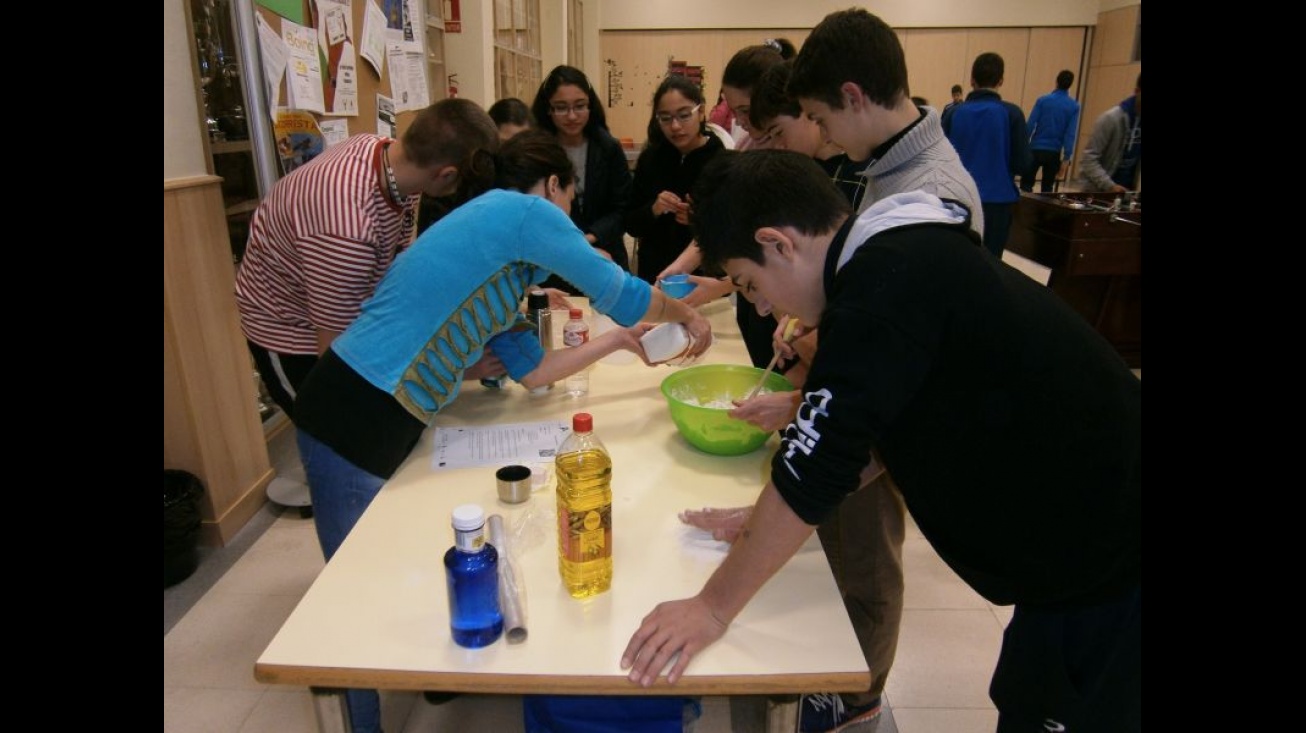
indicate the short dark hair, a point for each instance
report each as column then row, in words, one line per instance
column 691, row 91
column 738, row 193
column 567, row 76
column 850, row 45
column 449, row 132
column 1065, row 78
column 770, row 98
column 455, row 132
column 988, row 69
column 746, row 67
column 956, row 89
column 510, row 111
column 529, row 157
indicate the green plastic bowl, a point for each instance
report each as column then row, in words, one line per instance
column 709, row 428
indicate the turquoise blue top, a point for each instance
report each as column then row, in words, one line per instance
column 456, row 290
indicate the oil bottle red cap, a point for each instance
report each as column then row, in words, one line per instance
column 582, row 422
column 576, row 314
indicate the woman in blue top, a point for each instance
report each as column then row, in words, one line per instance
column 446, row 311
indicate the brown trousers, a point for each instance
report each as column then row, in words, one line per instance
column 863, row 541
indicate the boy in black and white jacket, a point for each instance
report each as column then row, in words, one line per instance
column 1012, row 429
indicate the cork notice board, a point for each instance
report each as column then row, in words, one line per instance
column 369, row 82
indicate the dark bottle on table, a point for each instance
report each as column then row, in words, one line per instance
column 472, row 575
column 539, row 315
column 537, row 310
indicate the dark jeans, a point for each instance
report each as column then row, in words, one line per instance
column 1049, row 161
column 282, row 374
column 997, row 226
column 1079, row 668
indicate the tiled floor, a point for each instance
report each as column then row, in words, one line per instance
column 218, row 621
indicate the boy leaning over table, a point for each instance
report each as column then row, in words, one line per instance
column 1012, row 429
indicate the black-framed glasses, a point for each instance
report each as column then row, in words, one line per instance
column 561, row 110
column 683, row 116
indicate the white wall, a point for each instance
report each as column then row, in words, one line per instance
column 470, row 54
column 183, row 148
column 593, row 64
column 553, row 35
column 641, row 14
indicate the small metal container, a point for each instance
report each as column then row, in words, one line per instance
column 514, row 484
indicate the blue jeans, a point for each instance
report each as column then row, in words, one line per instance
column 340, row 492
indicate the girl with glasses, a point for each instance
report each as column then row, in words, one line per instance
column 743, row 74
column 678, row 147
column 567, row 107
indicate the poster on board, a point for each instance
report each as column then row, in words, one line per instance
column 298, row 138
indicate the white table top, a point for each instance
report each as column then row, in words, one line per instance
column 377, row 615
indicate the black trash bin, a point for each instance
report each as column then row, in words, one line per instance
column 181, row 524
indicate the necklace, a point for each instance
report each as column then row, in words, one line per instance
column 390, row 181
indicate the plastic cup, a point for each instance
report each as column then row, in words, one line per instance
column 676, row 286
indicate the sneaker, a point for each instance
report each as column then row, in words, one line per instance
column 826, row 713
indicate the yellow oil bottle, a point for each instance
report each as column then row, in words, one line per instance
column 584, row 492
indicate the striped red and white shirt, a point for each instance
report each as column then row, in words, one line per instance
column 318, row 245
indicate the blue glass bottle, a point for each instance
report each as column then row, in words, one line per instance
column 472, row 575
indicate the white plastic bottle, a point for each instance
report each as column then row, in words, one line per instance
column 574, row 333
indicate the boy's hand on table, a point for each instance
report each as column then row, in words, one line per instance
column 725, row 524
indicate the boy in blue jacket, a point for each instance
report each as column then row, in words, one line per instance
column 1052, row 127
column 991, row 137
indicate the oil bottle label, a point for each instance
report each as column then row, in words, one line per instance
column 586, row 535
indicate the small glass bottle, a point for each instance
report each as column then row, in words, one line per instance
column 574, row 333
column 584, row 493
column 471, row 569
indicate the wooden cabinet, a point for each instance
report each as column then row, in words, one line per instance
column 210, row 426
column 1096, row 257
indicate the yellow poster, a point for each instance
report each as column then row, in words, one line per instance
column 298, row 138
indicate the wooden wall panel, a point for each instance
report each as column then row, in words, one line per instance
column 210, row 425
column 1012, row 44
column 1111, row 74
column 1050, row 51
column 636, row 61
column 1114, row 42
column 936, row 59
column 1109, row 86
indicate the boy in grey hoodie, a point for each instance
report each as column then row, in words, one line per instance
column 1113, row 158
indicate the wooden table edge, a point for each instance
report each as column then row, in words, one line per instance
column 529, row 684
